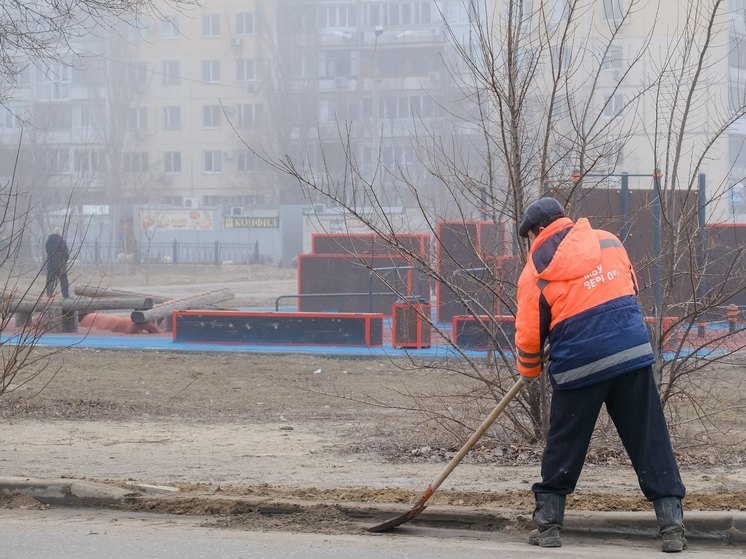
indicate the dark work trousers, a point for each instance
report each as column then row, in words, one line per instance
column 634, row 406
column 54, row 274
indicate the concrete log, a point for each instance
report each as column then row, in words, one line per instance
column 105, row 292
column 196, row 301
column 82, row 304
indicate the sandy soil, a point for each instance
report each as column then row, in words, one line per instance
column 273, row 425
column 300, row 427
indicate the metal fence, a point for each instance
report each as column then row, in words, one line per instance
column 175, row 252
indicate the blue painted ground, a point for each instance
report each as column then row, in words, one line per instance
column 160, row 343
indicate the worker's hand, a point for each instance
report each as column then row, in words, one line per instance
column 528, row 380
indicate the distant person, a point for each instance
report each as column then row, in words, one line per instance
column 57, row 257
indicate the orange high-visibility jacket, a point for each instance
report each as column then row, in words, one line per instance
column 578, row 291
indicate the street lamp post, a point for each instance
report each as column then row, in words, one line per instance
column 377, row 131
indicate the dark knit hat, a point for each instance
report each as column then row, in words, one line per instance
column 540, row 214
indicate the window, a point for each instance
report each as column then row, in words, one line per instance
column 405, row 107
column 246, row 162
column 9, row 118
column 367, row 111
column 89, row 71
column 387, row 156
column 246, row 70
column 422, row 12
column 387, row 107
column 137, row 118
column 172, row 118
column 54, row 116
column 213, row 162
column 250, row 115
column 737, row 150
column 85, row 161
column 212, row 201
column 85, row 117
column 303, row 65
column 136, row 162
column 170, row 27
column 422, row 106
column 737, row 9
column 613, row 11
column 373, row 15
column 22, row 78
column 337, row 63
column 522, row 12
column 367, row 156
column 246, row 23
column 613, row 58
column 392, row 14
column 136, row 74
column 566, row 61
column 457, row 13
column 613, row 105
column 212, row 116
column 211, row 25
column 171, row 70
column 557, row 11
column 737, row 52
column 59, row 161
column 211, row 70
column 561, row 108
column 137, row 28
column 337, row 15
column 53, row 81
column 172, row 162
column 736, row 93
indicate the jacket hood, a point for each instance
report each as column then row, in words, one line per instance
column 576, row 255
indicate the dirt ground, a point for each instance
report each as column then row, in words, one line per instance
column 317, row 428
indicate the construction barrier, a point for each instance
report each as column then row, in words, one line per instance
column 278, row 328
column 410, row 324
column 483, row 333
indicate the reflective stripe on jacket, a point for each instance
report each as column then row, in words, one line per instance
column 578, row 291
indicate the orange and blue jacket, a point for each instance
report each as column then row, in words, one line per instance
column 578, row 291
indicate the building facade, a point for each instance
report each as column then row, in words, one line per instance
column 150, row 133
column 639, row 92
column 368, row 89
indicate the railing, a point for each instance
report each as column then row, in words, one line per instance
column 175, row 252
column 340, row 297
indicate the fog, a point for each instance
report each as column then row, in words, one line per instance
column 157, row 135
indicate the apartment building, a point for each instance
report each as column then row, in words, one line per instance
column 51, row 128
column 629, row 87
column 367, row 85
column 161, row 115
column 146, row 121
column 201, row 81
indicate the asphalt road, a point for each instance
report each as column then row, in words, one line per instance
column 88, row 533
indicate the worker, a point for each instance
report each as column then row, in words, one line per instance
column 578, row 294
column 57, row 257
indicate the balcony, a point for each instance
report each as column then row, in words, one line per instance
column 340, row 84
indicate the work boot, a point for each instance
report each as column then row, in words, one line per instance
column 548, row 515
column 670, row 515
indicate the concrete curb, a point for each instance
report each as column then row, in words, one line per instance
column 728, row 526
column 67, row 492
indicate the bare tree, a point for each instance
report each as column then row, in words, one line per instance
column 43, row 31
column 549, row 96
column 44, row 35
column 20, row 333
